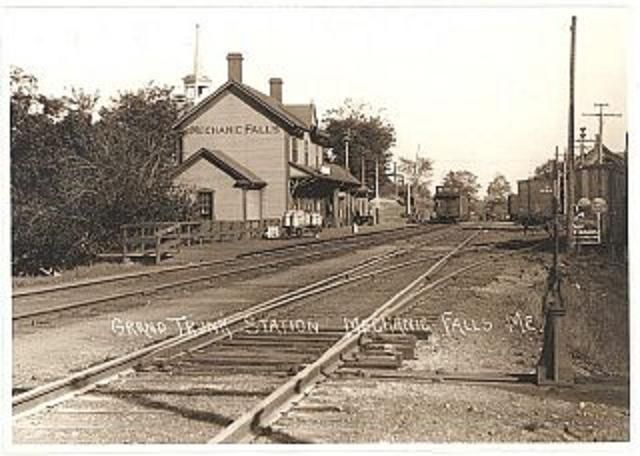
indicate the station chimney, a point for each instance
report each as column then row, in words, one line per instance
column 234, row 61
column 275, row 88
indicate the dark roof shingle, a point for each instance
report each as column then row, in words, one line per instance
column 243, row 176
column 336, row 173
column 264, row 101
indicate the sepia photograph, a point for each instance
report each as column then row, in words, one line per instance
column 395, row 226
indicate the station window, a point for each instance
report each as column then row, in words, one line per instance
column 177, row 154
column 205, row 205
column 306, row 152
column 294, row 150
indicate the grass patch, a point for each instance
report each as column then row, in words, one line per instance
column 597, row 294
column 89, row 271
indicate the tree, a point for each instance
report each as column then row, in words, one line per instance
column 75, row 180
column 465, row 181
column 370, row 136
column 499, row 189
column 41, row 165
column 418, row 172
column 546, row 169
column 497, row 194
column 137, row 146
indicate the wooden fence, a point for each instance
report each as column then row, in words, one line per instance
column 160, row 239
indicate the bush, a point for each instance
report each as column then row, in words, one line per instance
column 75, row 179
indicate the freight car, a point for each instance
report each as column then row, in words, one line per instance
column 450, row 205
column 512, row 206
column 533, row 205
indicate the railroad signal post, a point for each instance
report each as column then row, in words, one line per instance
column 554, row 366
column 582, row 142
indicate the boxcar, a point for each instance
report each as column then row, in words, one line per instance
column 534, row 200
column 513, row 206
column 450, row 204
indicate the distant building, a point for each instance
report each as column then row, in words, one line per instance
column 247, row 155
column 605, row 179
column 591, row 157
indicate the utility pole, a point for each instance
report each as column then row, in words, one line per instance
column 570, row 191
column 377, row 178
column 626, row 196
column 556, row 196
column 377, row 207
column 347, row 139
column 601, row 115
column 416, row 171
column 563, row 184
column 395, row 178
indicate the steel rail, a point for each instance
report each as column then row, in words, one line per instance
column 265, row 412
column 176, row 284
column 258, row 419
column 32, row 291
column 83, row 380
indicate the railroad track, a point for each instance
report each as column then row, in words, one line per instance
column 34, row 303
column 210, row 379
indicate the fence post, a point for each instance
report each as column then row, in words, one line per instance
column 124, row 243
column 157, row 236
column 143, row 232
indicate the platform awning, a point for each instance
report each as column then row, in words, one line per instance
column 329, row 173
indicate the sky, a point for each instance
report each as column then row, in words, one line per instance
column 481, row 89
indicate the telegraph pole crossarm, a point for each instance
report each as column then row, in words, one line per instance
column 601, row 115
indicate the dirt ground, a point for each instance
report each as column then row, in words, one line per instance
column 72, row 343
column 489, row 322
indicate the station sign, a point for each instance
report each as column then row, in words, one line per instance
column 599, row 205
column 584, row 203
column 238, row 129
column 587, row 223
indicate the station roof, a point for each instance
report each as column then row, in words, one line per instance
column 305, row 112
column 336, row 173
column 608, row 156
column 262, row 102
column 363, row 190
column 243, row 176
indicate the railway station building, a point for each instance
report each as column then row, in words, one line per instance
column 246, row 155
